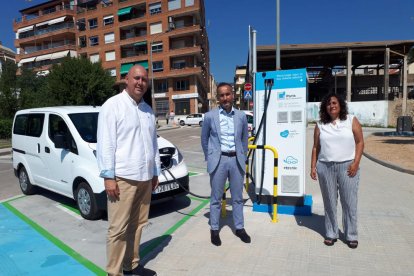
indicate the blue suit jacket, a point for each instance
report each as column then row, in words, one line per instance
column 211, row 136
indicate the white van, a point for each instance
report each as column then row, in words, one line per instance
column 55, row 148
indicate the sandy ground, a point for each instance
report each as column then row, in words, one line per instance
column 398, row 151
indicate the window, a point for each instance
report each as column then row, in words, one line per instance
column 109, row 38
column 108, row 20
column 189, row 3
column 155, row 8
column 178, row 64
column 156, row 47
column 94, row 58
column 156, row 28
column 109, row 56
column 112, row 72
column 82, row 41
column 93, row 23
column 157, row 66
column 57, row 126
column 174, row 4
column 81, row 24
column 29, row 124
column 182, row 85
column 162, row 106
column 179, row 23
column 161, row 86
column 93, row 41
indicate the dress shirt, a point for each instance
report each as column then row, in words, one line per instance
column 227, row 130
column 127, row 139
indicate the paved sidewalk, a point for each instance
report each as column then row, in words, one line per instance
column 294, row 245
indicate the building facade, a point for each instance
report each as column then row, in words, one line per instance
column 168, row 37
column 239, row 81
column 6, row 54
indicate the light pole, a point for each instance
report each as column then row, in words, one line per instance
column 154, row 108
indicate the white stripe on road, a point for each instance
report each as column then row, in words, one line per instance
column 66, row 210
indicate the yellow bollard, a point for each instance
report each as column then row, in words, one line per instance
column 275, row 174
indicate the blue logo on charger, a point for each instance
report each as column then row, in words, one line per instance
column 291, row 160
column 284, row 133
column 281, row 95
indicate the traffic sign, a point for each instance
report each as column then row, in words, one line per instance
column 247, row 86
column 247, row 95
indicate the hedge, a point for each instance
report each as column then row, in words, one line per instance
column 6, row 128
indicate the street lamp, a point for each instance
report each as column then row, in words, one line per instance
column 154, row 108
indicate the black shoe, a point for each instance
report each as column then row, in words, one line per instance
column 241, row 233
column 140, row 271
column 215, row 237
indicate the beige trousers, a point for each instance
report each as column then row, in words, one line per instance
column 127, row 216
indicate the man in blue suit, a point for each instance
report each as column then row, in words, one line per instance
column 224, row 140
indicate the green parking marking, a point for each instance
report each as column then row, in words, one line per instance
column 190, row 174
column 82, row 260
column 167, row 233
column 15, row 198
column 70, row 208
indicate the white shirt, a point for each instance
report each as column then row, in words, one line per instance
column 227, row 130
column 337, row 141
column 127, row 139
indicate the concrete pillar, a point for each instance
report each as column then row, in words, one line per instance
column 349, row 75
column 404, row 85
column 386, row 73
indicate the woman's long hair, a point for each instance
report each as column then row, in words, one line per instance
column 323, row 114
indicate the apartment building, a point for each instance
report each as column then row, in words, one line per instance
column 6, row 54
column 168, row 37
column 239, row 81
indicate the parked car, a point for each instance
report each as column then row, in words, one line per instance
column 55, row 148
column 192, row 119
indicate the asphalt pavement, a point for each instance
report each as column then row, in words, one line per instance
column 292, row 246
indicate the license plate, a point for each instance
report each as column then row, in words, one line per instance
column 166, row 187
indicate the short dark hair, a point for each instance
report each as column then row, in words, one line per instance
column 221, row 84
column 323, row 114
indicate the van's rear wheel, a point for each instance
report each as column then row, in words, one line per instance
column 86, row 202
column 24, row 181
column 201, row 123
column 182, row 123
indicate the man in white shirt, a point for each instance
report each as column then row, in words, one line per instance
column 129, row 162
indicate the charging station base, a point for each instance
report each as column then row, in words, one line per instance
column 302, row 210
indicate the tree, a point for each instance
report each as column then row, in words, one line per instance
column 33, row 90
column 8, row 90
column 77, row 81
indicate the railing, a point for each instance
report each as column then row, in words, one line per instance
column 131, row 35
column 44, row 12
column 127, row 54
column 32, row 49
column 53, row 28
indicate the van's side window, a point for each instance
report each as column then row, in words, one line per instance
column 29, row 124
column 58, row 126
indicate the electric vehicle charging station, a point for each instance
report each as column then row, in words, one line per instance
column 280, row 99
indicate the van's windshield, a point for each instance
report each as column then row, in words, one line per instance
column 86, row 124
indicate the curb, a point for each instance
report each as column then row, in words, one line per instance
column 167, row 128
column 5, row 151
column 388, row 165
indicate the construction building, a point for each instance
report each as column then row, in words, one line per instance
column 168, row 37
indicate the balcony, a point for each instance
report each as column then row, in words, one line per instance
column 40, row 50
column 24, row 36
column 40, row 16
column 185, row 71
column 134, row 50
column 188, row 50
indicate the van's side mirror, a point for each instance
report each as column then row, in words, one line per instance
column 60, row 141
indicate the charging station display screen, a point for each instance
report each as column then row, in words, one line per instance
column 281, row 97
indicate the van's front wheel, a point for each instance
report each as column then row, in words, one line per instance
column 86, row 201
column 24, row 182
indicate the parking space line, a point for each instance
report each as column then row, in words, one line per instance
column 58, row 243
column 69, row 210
column 145, row 251
column 10, row 199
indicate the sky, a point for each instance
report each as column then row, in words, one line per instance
column 301, row 21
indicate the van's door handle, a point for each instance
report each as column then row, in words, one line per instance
column 38, row 148
column 47, row 150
